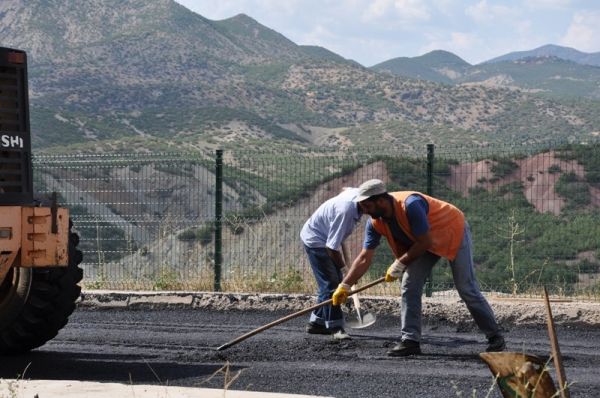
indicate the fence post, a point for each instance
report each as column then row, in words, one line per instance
column 430, row 155
column 218, row 259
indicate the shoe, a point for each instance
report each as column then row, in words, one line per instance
column 315, row 328
column 405, row 348
column 496, row 343
column 340, row 334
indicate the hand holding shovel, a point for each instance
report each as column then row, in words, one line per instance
column 357, row 319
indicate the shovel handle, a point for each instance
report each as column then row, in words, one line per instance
column 556, row 355
column 355, row 298
column 345, row 254
column 294, row 315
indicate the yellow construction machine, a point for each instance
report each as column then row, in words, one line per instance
column 39, row 260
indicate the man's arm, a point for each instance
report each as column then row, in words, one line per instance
column 422, row 244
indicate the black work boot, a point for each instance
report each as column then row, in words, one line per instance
column 315, row 328
column 496, row 343
column 405, row 348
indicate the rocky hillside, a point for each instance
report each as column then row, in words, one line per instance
column 114, row 70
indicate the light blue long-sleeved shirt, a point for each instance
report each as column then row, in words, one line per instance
column 332, row 222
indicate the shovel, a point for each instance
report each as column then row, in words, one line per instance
column 361, row 319
column 357, row 319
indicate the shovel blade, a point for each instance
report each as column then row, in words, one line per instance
column 366, row 320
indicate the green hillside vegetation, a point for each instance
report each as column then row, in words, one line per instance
column 437, row 66
column 440, row 58
column 413, row 136
column 317, row 52
column 552, row 76
column 587, row 155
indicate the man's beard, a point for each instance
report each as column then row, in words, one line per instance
column 378, row 213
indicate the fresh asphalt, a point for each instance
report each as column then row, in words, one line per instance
column 177, row 347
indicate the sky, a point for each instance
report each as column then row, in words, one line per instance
column 373, row 31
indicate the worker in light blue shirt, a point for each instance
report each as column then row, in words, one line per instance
column 323, row 235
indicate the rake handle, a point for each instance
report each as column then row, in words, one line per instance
column 294, row 315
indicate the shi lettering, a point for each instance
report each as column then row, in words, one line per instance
column 11, row 141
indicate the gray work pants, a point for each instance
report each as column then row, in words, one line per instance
column 463, row 274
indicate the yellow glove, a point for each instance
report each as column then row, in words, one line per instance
column 395, row 271
column 341, row 294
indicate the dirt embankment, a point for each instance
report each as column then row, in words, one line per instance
column 538, row 174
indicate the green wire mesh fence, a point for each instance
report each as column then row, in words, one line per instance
column 149, row 220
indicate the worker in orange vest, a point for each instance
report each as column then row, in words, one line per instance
column 420, row 230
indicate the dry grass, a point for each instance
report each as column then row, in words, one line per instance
column 229, row 376
column 13, row 387
column 284, row 280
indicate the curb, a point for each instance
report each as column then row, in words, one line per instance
column 448, row 309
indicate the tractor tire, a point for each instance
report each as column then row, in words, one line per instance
column 35, row 303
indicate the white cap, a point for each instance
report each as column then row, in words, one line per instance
column 370, row 188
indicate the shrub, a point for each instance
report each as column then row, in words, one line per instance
column 575, row 191
column 554, row 169
column 203, row 234
column 503, row 167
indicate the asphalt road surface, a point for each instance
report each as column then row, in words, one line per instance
column 177, row 347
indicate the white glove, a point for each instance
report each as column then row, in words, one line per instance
column 395, row 271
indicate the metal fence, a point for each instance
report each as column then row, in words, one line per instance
column 230, row 220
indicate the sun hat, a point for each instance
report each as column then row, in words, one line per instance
column 369, row 188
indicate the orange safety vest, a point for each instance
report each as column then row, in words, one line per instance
column 446, row 225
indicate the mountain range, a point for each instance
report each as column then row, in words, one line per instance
column 559, row 72
column 123, row 74
column 551, row 50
